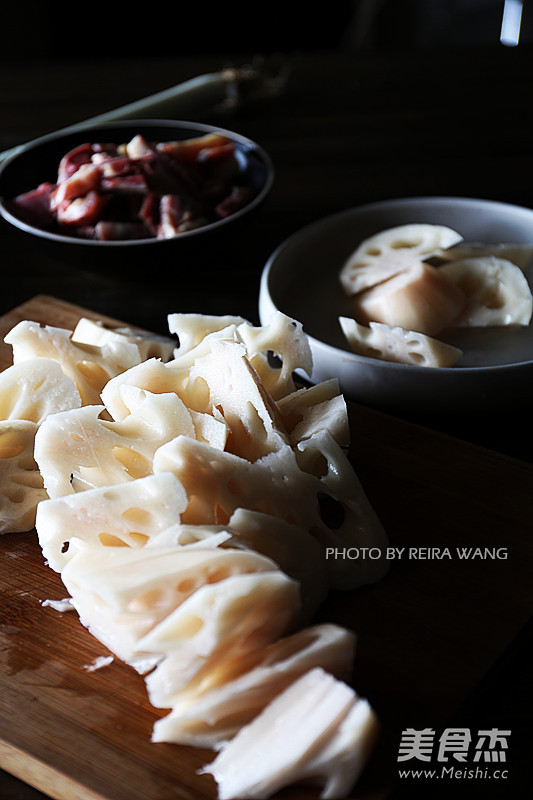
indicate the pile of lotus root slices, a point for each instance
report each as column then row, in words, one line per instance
column 177, row 485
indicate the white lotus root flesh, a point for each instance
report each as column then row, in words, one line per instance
column 396, row 344
column 398, row 298
column 21, row 484
column 389, row 252
column 181, row 498
column 496, row 291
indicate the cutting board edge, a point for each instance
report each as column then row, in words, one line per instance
column 42, row 776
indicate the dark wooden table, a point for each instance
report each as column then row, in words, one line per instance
column 347, row 129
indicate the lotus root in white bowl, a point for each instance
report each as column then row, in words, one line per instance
column 302, row 279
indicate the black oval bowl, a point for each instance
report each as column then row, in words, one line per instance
column 38, row 161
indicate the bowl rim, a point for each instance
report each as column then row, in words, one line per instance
column 200, row 127
column 266, row 298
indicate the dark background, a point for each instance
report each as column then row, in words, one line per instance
column 70, row 30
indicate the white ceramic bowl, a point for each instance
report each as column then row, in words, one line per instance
column 301, row 279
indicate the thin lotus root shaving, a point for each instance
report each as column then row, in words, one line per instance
column 242, row 615
column 217, row 483
column 34, row 389
column 121, row 515
column 283, row 338
column 152, row 376
column 318, row 730
column 389, row 252
column 79, row 450
column 234, row 390
column 228, row 694
column 149, row 345
column 396, row 344
column 21, row 484
column 89, row 366
column 191, row 329
column 295, row 552
column 122, row 596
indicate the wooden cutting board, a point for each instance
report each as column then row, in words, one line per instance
column 427, row 633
